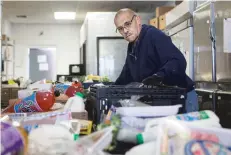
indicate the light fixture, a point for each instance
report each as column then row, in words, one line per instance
column 64, row 15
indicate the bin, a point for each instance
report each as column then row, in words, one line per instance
column 223, row 110
column 101, row 98
column 206, row 99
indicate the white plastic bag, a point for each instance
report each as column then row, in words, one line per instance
column 95, row 142
column 179, row 138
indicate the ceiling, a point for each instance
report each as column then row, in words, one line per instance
column 43, row 11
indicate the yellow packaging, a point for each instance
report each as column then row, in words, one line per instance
column 86, row 127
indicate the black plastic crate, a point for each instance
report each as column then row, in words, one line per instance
column 223, row 110
column 206, row 99
column 101, row 98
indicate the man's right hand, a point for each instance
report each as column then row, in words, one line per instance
column 153, row 80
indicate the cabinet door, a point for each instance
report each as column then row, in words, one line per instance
column 223, row 41
column 5, row 96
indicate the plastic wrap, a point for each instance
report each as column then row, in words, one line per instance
column 95, row 142
column 51, row 139
column 31, row 121
column 176, row 138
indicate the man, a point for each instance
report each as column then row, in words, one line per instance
column 152, row 58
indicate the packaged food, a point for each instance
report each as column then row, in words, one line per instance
column 39, row 101
column 68, row 90
column 14, row 139
column 204, row 118
column 75, row 103
column 86, row 127
column 177, row 137
column 51, row 139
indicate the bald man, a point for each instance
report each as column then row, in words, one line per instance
column 152, row 58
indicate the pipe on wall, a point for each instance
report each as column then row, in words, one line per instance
column 213, row 39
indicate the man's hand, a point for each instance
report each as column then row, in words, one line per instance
column 153, row 80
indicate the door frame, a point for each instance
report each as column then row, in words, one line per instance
column 97, row 44
column 41, row 47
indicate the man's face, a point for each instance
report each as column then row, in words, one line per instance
column 128, row 26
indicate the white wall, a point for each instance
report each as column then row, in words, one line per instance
column 6, row 27
column 64, row 37
column 102, row 24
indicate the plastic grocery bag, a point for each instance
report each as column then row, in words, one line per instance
column 178, row 138
column 51, row 140
column 32, row 121
column 132, row 102
column 95, row 142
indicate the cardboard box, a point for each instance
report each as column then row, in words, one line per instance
column 162, row 22
column 162, row 10
column 154, row 22
column 80, row 115
column 5, row 37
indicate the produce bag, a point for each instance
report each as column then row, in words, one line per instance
column 95, row 142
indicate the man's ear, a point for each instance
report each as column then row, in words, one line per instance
column 138, row 19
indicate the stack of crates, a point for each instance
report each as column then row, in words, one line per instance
column 101, row 98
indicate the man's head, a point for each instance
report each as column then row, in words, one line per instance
column 128, row 24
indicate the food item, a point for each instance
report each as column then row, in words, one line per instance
column 51, row 139
column 86, row 127
column 204, row 147
column 77, row 84
column 70, row 91
column 75, row 103
column 115, row 122
column 201, row 118
column 14, row 140
column 177, row 137
column 37, row 102
column 105, row 79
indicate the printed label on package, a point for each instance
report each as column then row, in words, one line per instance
column 29, row 104
column 193, row 116
column 61, row 88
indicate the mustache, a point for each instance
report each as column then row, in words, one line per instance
column 127, row 35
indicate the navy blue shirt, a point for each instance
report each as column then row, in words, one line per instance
column 154, row 53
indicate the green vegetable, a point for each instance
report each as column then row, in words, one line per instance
column 116, row 123
column 104, row 79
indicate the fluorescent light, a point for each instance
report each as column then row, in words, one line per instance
column 65, row 15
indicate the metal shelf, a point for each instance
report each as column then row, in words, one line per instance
column 3, row 44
